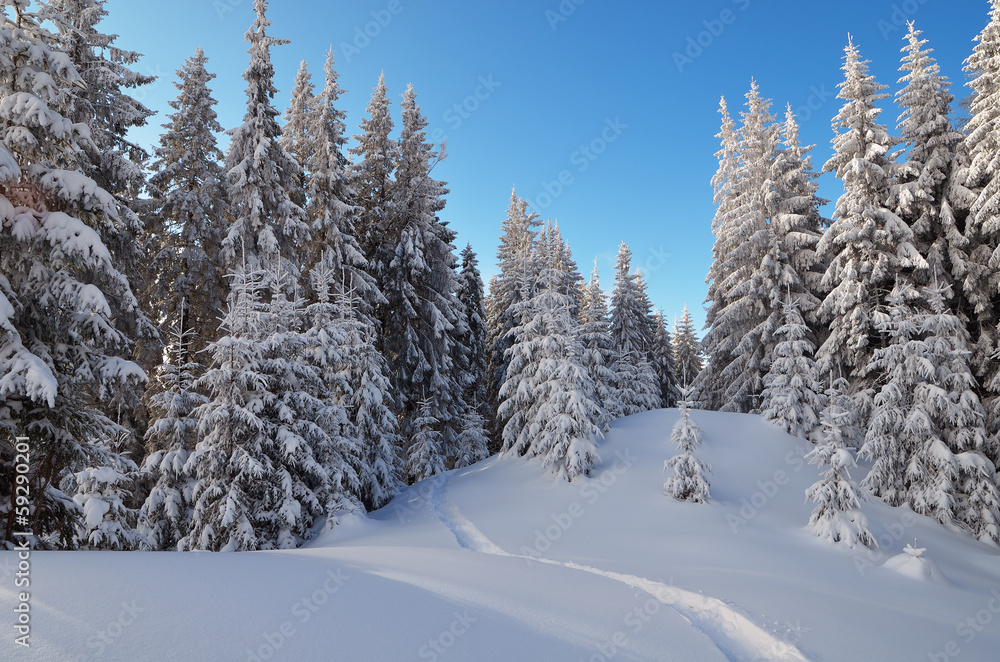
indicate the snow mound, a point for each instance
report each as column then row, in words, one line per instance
column 913, row 564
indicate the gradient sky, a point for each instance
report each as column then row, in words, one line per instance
column 602, row 113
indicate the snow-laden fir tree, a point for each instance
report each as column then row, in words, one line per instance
column 426, row 454
column 422, row 323
column 513, row 284
column 552, row 247
column 868, row 244
column 707, row 388
column 332, row 210
column 266, row 222
column 550, row 401
column 165, row 515
column 689, row 481
column 795, row 221
column 65, row 307
column 945, row 471
column 470, row 295
column 102, row 494
column 187, row 229
column 837, row 516
column 371, row 173
column 598, row 353
column 297, row 133
column 687, row 349
column 792, row 397
column 369, row 401
column 664, row 362
column 632, row 339
column 981, row 280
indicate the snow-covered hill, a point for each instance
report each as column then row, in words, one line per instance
column 500, row 562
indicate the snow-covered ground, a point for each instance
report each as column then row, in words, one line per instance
column 500, row 562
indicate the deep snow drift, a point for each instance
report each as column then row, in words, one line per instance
column 500, row 562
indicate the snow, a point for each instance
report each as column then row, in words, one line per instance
column 498, row 561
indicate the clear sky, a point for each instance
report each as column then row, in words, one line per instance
column 602, row 113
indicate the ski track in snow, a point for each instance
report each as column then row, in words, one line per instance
column 739, row 638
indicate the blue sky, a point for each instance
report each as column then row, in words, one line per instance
column 603, row 114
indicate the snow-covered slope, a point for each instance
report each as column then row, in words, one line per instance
column 499, row 562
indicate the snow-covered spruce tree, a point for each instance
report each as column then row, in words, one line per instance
column 426, row 453
column 837, row 516
column 165, row 516
column 792, row 397
column 371, row 174
column 331, row 206
column 296, row 134
column 470, row 295
column 266, row 222
column 422, row 322
column 632, row 338
column 664, row 362
column 888, row 444
column 368, row 403
column 513, row 284
column 867, row 245
column 65, row 308
column 689, row 481
column 102, row 495
column 706, row 386
column 550, row 402
column 552, row 246
column 186, row 231
column 598, row 353
column 795, row 221
column 938, row 485
column 687, row 350
column 981, row 278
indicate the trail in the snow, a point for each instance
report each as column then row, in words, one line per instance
column 739, row 638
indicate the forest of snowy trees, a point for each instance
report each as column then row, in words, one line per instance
column 874, row 333
column 357, row 351
column 222, row 350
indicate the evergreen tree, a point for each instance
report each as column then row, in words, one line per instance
column 108, row 522
column 550, row 402
column 191, row 215
column 664, row 362
column 598, row 353
column 427, row 452
column 372, row 172
column 632, row 339
column 266, row 222
column 706, row 384
column 297, row 137
column 867, row 245
column 687, row 350
column 165, row 515
column 509, row 289
column 837, row 516
column 66, row 310
column 422, row 321
column 470, row 295
column 332, row 210
column 792, row 397
column 981, row 278
column 688, row 481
